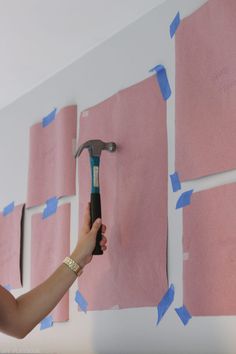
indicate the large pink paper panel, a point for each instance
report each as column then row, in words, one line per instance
column 206, row 91
column 210, row 249
column 51, row 159
column 49, row 246
column 11, row 237
column 132, row 272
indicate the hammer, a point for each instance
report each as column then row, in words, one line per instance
column 95, row 148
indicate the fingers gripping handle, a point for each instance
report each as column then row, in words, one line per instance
column 95, row 212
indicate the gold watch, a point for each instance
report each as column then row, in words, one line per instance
column 75, row 267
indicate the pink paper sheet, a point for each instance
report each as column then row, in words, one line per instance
column 50, row 245
column 132, row 273
column 11, row 233
column 209, row 243
column 51, row 161
column 206, row 91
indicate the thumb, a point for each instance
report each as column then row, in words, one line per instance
column 96, row 226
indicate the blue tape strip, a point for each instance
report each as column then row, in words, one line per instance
column 49, row 118
column 183, row 314
column 165, row 303
column 8, row 287
column 174, row 25
column 81, row 301
column 176, row 185
column 184, row 199
column 51, row 207
column 8, row 209
column 46, row 322
column 162, row 81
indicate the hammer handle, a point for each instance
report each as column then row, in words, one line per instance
column 95, row 212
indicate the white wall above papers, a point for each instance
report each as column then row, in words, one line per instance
column 64, row 30
column 118, row 63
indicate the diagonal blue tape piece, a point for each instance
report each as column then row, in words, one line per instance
column 174, row 25
column 183, row 314
column 8, row 287
column 165, row 303
column 46, row 322
column 162, row 81
column 51, row 207
column 184, row 199
column 8, row 209
column 176, row 185
column 49, row 118
column 81, row 301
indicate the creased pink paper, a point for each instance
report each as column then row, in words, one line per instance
column 209, row 226
column 206, row 91
column 132, row 272
column 51, row 160
column 49, row 246
column 11, row 234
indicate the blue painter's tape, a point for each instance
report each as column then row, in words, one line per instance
column 165, row 303
column 176, row 185
column 184, row 199
column 51, row 207
column 174, row 25
column 8, row 209
column 81, row 301
column 46, row 322
column 49, row 118
column 183, row 314
column 162, row 81
column 8, row 287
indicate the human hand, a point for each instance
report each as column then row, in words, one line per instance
column 87, row 240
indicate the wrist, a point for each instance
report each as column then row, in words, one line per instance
column 75, row 255
column 73, row 266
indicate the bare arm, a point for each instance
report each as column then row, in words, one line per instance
column 19, row 316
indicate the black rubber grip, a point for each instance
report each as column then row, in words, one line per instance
column 95, row 212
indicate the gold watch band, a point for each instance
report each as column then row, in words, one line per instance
column 75, row 267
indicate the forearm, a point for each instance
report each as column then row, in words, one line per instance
column 19, row 316
column 35, row 305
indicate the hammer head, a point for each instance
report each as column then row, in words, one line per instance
column 95, row 147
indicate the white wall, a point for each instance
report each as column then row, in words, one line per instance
column 46, row 36
column 118, row 63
